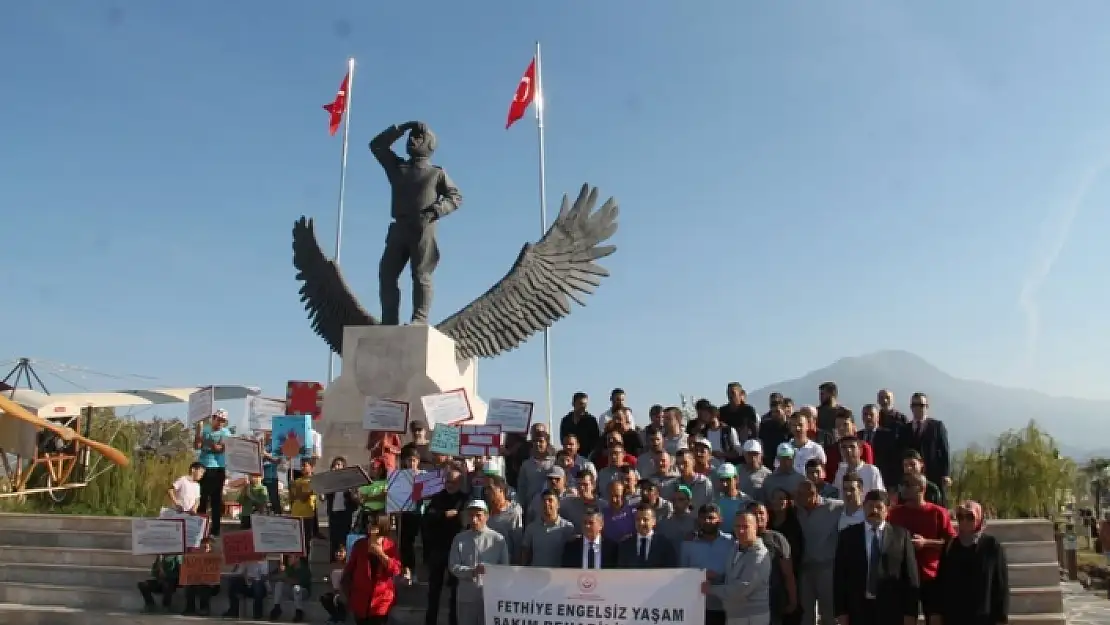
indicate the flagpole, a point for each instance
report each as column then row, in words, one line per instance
column 543, row 225
column 342, row 185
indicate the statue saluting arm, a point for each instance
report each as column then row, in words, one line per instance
column 422, row 193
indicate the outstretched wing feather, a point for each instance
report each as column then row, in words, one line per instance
column 329, row 302
column 559, row 269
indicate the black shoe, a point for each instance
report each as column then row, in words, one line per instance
column 298, row 616
column 275, row 614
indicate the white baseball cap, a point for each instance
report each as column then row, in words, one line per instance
column 752, row 446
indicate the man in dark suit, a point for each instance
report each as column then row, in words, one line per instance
column 645, row 549
column 875, row 571
column 884, row 446
column 590, row 550
column 928, row 437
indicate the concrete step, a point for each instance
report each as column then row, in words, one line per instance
column 63, row 522
column 66, row 539
column 73, row 557
column 1031, row 552
column 1034, row 575
column 87, row 597
column 1021, row 530
column 123, row 579
column 1037, row 600
column 20, row 614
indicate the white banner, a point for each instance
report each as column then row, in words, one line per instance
column 277, row 534
column 201, row 405
column 243, row 455
column 153, row 537
column 516, row 595
column 261, row 411
column 196, row 526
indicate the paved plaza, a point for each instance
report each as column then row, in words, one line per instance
column 1086, row 607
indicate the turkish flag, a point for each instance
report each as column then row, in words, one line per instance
column 338, row 106
column 525, row 94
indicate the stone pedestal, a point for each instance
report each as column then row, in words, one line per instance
column 403, row 363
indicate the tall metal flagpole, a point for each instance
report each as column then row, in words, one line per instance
column 543, row 225
column 342, row 185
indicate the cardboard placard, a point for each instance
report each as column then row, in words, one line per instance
column 304, row 398
column 512, row 415
column 201, row 569
column 338, row 481
column 238, row 547
column 479, row 440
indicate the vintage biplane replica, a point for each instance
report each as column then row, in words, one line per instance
column 45, row 439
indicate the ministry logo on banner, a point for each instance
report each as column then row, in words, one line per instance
column 541, row 596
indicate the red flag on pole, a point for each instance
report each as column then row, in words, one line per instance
column 338, row 106
column 525, row 94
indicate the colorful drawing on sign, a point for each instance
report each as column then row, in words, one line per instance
column 445, row 440
column 398, row 494
column 290, row 436
column 479, row 440
column 201, row 569
column 304, row 398
column 427, row 484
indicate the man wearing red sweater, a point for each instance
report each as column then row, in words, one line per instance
column 930, row 527
column 845, row 426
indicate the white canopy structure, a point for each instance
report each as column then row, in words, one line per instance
column 58, row 405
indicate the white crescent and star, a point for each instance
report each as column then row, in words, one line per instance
column 524, row 90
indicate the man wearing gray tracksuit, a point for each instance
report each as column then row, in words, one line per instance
column 820, row 521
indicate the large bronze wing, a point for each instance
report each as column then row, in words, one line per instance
column 536, row 291
column 330, row 304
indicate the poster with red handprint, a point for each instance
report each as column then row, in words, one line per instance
column 304, row 398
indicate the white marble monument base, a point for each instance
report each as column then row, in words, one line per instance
column 402, row 363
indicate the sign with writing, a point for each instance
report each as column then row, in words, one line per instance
column 277, row 534
column 385, row 415
column 398, row 494
column 445, row 440
column 304, row 398
column 153, row 537
column 513, row 416
column 238, row 547
column 196, row 525
column 201, row 569
column 261, row 411
column 1071, row 542
column 201, row 404
column 479, row 440
column 243, row 455
column 515, row 594
column 338, row 481
column 291, row 436
column 447, row 407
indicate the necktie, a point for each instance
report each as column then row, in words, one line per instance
column 873, row 565
column 643, row 549
column 591, row 557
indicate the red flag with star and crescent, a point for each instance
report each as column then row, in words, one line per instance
column 524, row 96
column 337, row 107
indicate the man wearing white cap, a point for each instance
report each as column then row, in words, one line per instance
column 471, row 551
column 752, row 472
column 784, row 476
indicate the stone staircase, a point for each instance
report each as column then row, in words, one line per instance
column 1036, row 596
column 74, row 570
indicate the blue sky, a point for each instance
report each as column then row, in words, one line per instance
column 799, row 181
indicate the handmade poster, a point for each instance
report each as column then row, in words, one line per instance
column 447, row 407
column 385, row 415
column 514, row 417
column 445, row 440
column 304, row 398
column 581, row 597
column 196, row 525
column 398, row 494
column 291, row 436
column 201, row 569
column 238, row 547
column 154, row 537
column 328, row 482
column 277, row 534
column 201, row 404
column 426, row 484
column 261, row 411
column 479, row 440
column 243, row 455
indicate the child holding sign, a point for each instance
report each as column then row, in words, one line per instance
column 303, row 500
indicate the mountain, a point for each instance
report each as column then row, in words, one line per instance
column 975, row 412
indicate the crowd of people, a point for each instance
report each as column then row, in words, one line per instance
column 797, row 516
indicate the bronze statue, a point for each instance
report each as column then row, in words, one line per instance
column 422, row 194
column 532, row 296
